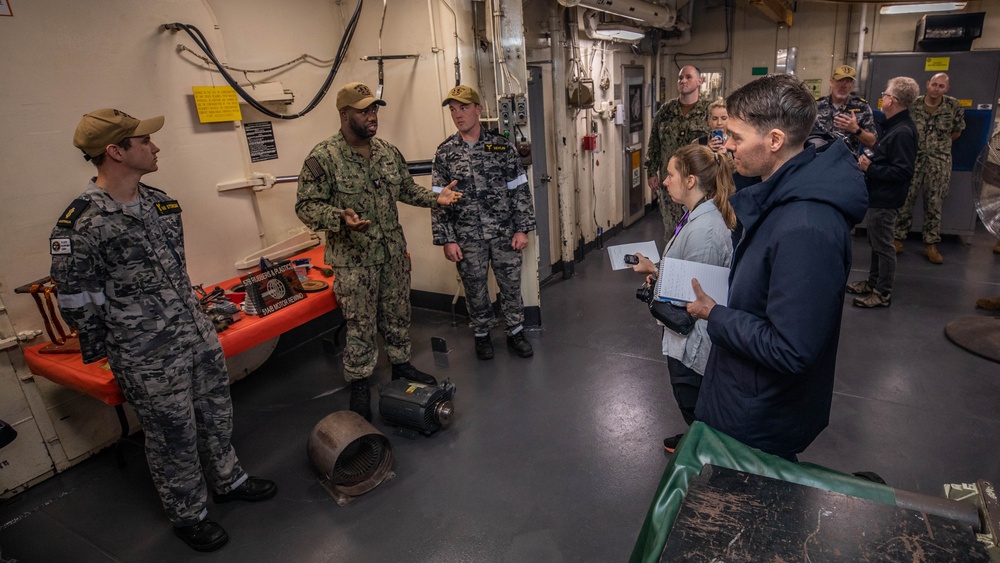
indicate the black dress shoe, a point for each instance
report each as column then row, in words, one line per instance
column 406, row 370
column 252, row 490
column 203, row 536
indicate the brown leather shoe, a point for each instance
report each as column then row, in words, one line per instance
column 996, row 248
column 988, row 303
column 898, row 245
column 932, row 254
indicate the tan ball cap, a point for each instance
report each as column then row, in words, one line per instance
column 844, row 71
column 357, row 96
column 104, row 127
column 462, row 94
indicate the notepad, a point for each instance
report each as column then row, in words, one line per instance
column 617, row 253
column 673, row 281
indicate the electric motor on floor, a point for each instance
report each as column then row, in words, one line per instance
column 352, row 456
column 416, row 406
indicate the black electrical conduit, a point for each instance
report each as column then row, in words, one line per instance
column 345, row 43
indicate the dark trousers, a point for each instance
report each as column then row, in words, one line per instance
column 686, row 383
column 881, row 223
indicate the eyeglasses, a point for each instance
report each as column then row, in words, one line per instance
column 884, row 94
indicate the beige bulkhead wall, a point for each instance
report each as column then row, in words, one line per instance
column 75, row 58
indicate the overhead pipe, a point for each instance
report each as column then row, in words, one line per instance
column 684, row 26
column 647, row 13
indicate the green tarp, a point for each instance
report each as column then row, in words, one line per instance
column 702, row 446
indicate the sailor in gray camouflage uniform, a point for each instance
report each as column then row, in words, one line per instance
column 489, row 225
column 845, row 114
column 118, row 262
column 348, row 187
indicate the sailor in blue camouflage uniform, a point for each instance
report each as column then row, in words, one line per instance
column 118, row 262
column 489, row 225
column 348, row 187
column 845, row 114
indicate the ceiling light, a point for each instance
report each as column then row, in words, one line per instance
column 921, row 8
column 620, row 32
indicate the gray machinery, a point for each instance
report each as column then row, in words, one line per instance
column 351, row 455
column 975, row 81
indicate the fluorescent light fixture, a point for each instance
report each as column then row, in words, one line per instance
column 921, row 8
column 620, row 32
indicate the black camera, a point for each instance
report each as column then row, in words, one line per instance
column 631, row 259
column 673, row 316
column 644, row 293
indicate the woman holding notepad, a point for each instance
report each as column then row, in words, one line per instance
column 701, row 181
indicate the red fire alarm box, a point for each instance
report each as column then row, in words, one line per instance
column 590, row 142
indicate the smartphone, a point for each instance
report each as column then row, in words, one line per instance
column 868, row 153
column 717, row 134
column 631, row 259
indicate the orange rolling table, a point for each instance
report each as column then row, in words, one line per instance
column 96, row 379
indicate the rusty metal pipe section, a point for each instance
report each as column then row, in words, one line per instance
column 352, row 456
column 964, row 512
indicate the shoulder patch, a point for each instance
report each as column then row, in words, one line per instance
column 169, row 207
column 73, row 212
column 313, row 165
column 496, row 147
column 60, row 245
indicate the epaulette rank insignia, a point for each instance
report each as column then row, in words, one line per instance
column 168, row 207
column 73, row 212
column 491, row 147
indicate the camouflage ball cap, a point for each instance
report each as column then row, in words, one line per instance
column 844, row 71
column 357, row 96
column 462, row 94
column 107, row 126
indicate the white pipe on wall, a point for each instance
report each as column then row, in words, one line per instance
column 861, row 39
column 564, row 156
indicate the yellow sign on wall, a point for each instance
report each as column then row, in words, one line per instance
column 815, row 85
column 937, row 64
column 216, row 103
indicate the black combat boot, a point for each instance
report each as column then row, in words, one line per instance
column 484, row 347
column 254, row 489
column 407, row 371
column 203, row 536
column 520, row 345
column 361, row 398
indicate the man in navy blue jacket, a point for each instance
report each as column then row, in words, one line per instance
column 769, row 379
column 888, row 173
